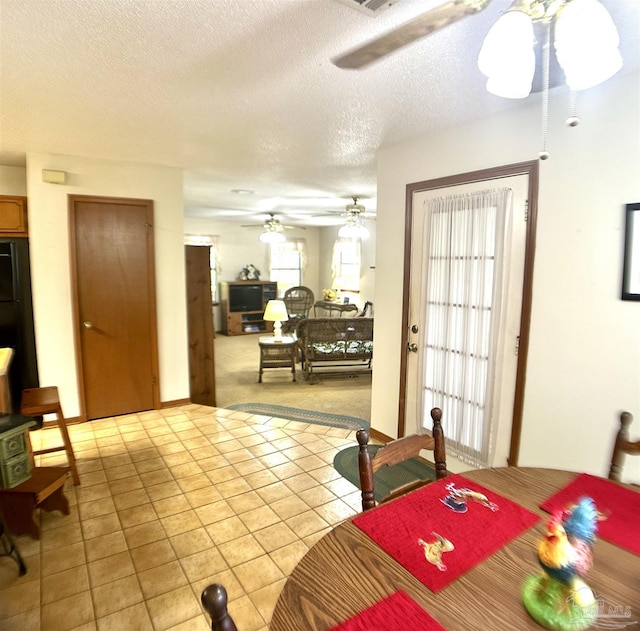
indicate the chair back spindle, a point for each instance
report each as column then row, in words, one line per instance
column 365, row 470
column 622, row 446
column 214, row 600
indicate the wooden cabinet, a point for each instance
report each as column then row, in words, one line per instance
column 13, row 216
column 243, row 304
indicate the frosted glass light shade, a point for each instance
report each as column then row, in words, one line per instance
column 272, row 237
column 507, row 56
column 510, row 86
column 586, row 43
column 353, row 231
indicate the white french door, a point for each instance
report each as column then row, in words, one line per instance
column 467, row 270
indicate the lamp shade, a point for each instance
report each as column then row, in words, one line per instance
column 586, row 43
column 507, row 56
column 276, row 311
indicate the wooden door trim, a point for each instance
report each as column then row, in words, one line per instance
column 151, row 285
column 532, row 170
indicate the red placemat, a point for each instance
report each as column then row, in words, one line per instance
column 397, row 612
column 619, row 506
column 446, row 528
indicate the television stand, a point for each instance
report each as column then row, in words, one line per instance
column 243, row 303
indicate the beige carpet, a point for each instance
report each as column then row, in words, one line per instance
column 237, row 360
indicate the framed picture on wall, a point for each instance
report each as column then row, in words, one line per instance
column 631, row 268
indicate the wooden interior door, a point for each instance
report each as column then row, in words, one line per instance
column 115, row 307
column 202, row 383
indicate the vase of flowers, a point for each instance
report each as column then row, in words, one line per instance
column 250, row 272
column 329, row 295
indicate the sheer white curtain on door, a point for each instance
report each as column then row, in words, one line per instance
column 462, row 293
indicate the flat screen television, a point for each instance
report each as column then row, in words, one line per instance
column 245, row 298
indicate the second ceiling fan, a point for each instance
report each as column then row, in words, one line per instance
column 272, row 229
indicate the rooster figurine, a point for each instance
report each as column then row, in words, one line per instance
column 560, row 599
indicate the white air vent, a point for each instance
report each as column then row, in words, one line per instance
column 370, row 7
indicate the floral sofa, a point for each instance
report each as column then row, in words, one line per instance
column 336, row 345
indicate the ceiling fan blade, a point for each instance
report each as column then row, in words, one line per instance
column 409, row 32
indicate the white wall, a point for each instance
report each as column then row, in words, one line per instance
column 13, row 181
column 584, row 356
column 50, row 266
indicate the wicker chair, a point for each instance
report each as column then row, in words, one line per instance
column 298, row 301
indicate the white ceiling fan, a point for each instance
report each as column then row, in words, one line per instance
column 352, row 210
column 271, row 225
column 272, row 230
column 585, row 42
column 354, row 227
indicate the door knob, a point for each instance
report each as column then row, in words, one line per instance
column 87, row 325
column 412, row 348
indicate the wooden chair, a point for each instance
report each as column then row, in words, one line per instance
column 622, row 447
column 214, row 600
column 398, row 451
column 39, row 401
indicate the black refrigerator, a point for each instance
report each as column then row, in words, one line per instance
column 16, row 315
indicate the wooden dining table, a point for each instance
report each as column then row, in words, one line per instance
column 346, row 572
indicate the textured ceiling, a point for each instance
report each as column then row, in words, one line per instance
column 241, row 94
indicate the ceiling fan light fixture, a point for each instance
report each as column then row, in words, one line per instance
column 353, row 231
column 271, row 236
column 507, row 56
column 586, row 44
column 355, row 208
column 353, row 227
column 509, row 86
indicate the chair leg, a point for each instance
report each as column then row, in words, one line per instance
column 32, row 460
column 68, row 447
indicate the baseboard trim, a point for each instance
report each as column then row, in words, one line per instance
column 77, row 420
column 172, row 404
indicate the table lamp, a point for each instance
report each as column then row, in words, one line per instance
column 276, row 312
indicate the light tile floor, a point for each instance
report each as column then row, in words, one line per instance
column 171, row 501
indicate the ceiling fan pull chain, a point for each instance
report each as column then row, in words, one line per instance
column 546, row 57
column 574, row 120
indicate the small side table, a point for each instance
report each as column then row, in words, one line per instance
column 277, row 354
